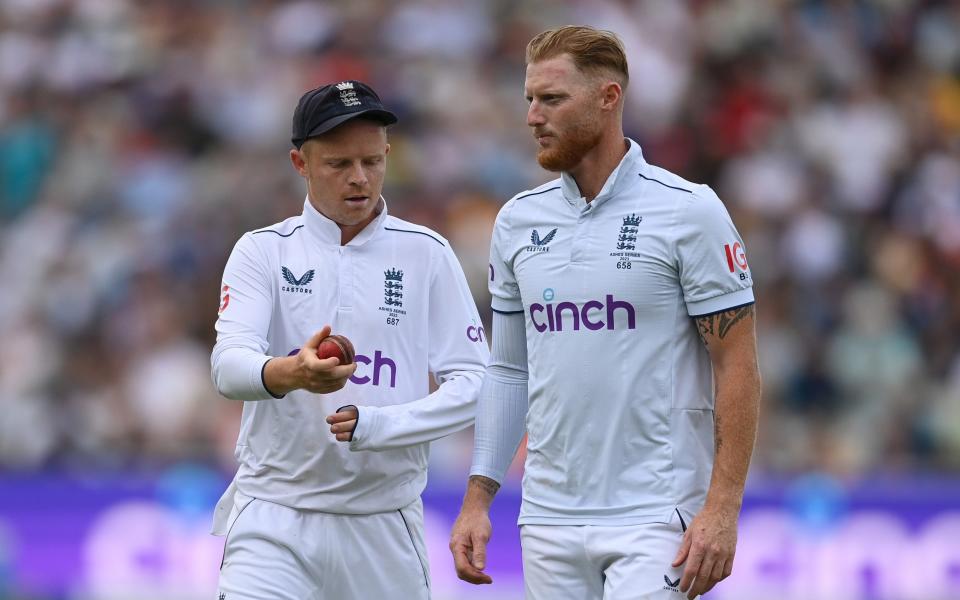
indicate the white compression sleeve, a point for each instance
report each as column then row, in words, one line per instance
column 502, row 406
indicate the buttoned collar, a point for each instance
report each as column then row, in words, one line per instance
column 624, row 174
column 326, row 231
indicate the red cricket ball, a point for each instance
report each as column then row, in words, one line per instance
column 336, row 345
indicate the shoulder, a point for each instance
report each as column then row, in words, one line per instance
column 265, row 241
column 664, row 182
column 286, row 229
column 414, row 234
column 547, row 189
column 691, row 199
column 528, row 200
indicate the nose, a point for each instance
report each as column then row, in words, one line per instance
column 534, row 115
column 357, row 175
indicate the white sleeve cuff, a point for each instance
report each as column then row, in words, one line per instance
column 238, row 374
column 720, row 303
column 368, row 423
column 503, row 306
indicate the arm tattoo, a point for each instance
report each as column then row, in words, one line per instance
column 485, row 483
column 721, row 322
column 718, row 439
column 705, row 328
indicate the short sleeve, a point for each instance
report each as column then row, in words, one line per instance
column 502, row 283
column 711, row 257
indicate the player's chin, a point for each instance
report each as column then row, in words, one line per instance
column 355, row 211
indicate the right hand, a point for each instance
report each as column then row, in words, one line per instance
column 307, row 371
column 468, row 543
column 321, row 376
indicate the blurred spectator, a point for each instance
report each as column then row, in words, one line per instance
column 138, row 140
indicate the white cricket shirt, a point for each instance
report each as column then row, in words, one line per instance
column 399, row 294
column 620, row 420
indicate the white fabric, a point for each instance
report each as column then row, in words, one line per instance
column 502, row 407
column 620, row 419
column 281, row 553
column 594, row 562
column 285, row 282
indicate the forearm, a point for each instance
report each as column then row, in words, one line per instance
column 239, row 373
column 447, row 410
column 502, row 407
column 735, row 431
column 279, row 376
column 480, row 493
column 500, row 425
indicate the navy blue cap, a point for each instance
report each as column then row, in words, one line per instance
column 323, row 108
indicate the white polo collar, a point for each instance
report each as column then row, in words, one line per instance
column 624, row 174
column 327, row 231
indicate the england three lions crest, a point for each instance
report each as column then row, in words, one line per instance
column 627, row 238
column 393, row 287
column 626, row 241
column 393, row 295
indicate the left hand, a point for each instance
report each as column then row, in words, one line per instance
column 343, row 422
column 708, row 547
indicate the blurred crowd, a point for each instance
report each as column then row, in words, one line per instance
column 139, row 140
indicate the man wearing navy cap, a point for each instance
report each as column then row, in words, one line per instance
column 332, row 458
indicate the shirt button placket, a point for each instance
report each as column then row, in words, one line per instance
column 579, row 235
column 345, row 272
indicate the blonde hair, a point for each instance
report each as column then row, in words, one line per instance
column 592, row 50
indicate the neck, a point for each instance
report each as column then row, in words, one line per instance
column 348, row 232
column 595, row 167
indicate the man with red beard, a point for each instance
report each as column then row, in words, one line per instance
column 623, row 339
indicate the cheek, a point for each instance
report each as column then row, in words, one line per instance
column 376, row 174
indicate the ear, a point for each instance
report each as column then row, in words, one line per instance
column 611, row 94
column 387, row 150
column 299, row 161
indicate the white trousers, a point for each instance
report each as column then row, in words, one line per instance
column 273, row 552
column 589, row 562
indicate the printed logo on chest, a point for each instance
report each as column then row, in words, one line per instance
column 296, row 284
column 626, row 241
column 538, row 244
column 393, row 295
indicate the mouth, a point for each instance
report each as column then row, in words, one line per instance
column 543, row 138
column 356, row 199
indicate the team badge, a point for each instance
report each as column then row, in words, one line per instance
column 393, row 295
column 626, row 241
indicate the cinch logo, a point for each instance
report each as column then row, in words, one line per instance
column 540, row 245
column 475, row 333
column 591, row 315
column 379, row 362
column 735, row 256
column 296, row 285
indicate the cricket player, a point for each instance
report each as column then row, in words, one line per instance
column 332, row 458
column 623, row 344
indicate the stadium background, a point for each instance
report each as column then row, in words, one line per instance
column 138, row 140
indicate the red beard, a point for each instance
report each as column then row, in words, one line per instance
column 569, row 149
